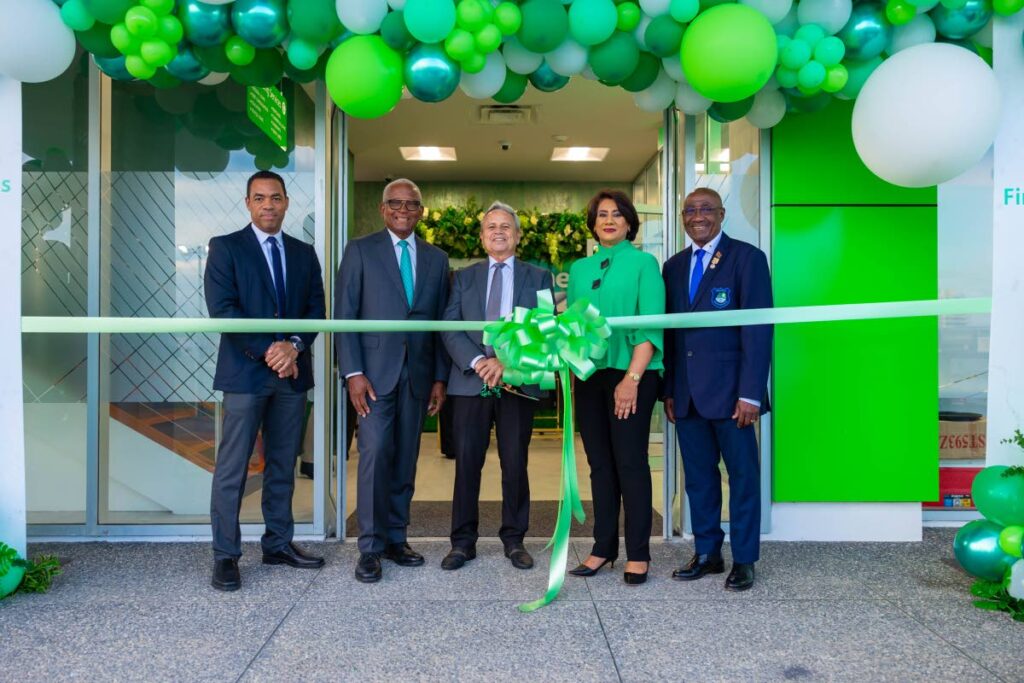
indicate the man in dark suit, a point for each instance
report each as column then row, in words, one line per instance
column 716, row 387
column 488, row 291
column 392, row 378
column 260, row 272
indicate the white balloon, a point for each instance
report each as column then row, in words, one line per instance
column 984, row 36
column 214, row 78
column 689, row 101
column 362, row 16
column 775, row 10
column 488, row 82
column 640, row 30
column 568, row 59
column 831, row 15
column 655, row 8
column 589, row 74
column 397, row 4
column 920, row 29
column 658, row 96
column 519, row 59
column 35, row 45
column 926, row 6
column 768, row 109
column 1016, row 587
column 926, row 115
column 674, row 68
column 788, row 25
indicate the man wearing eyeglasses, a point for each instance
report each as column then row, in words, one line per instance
column 392, row 378
column 716, row 387
column 488, row 291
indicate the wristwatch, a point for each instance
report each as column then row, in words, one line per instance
column 297, row 343
column 633, row 376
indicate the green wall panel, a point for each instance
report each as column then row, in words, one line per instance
column 856, row 403
column 814, row 162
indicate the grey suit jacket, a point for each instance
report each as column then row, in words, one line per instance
column 369, row 287
column 467, row 302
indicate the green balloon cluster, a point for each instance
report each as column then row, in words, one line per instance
column 148, row 37
column 314, row 24
column 810, row 61
column 988, row 548
column 479, row 29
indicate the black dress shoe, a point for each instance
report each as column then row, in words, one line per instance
column 457, row 557
column 584, row 570
column 636, row 578
column 225, row 575
column 402, row 555
column 698, row 566
column 741, row 577
column 306, row 469
column 520, row 558
column 368, row 568
column 292, row 556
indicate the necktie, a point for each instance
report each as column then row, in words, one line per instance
column 494, row 299
column 275, row 259
column 406, row 270
column 698, row 273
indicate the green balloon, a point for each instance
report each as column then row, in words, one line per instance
column 97, row 40
column 786, row 77
column 645, row 73
column 592, row 21
column 364, row 76
column 265, row 69
column 811, row 76
column 315, row 21
column 429, row 21
column 900, row 12
column 213, row 58
column 615, row 59
column 474, row 63
column 156, row 52
column 795, row 54
column 141, row 21
column 829, row 51
column 487, row 39
column 158, row 6
column 460, row 44
column 998, row 493
column 302, row 54
column 163, row 80
column 138, row 67
column 858, row 74
column 123, row 39
column 729, row 52
column 307, row 75
column 684, row 11
column 629, row 16
column 976, row 548
column 76, row 17
column 1011, row 540
column 508, row 18
column 835, row 78
column 812, row 34
column 108, row 11
column 724, row 112
column 663, row 36
column 170, row 30
column 545, row 25
column 395, row 34
column 470, row 15
column 513, row 87
column 1007, row 7
column 239, row 52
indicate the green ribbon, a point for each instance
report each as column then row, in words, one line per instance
column 533, row 345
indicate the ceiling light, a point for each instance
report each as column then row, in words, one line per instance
column 579, row 153
column 428, row 153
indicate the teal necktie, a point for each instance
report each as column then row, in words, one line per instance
column 406, row 270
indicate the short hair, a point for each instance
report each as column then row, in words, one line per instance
column 502, row 206
column 625, row 206
column 709, row 192
column 264, row 175
column 400, row 181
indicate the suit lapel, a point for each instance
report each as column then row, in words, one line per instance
column 422, row 269
column 386, row 250
column 721, row 252
column 252, row 245
column 291, row 271
column 480, row 287
column 518, row 282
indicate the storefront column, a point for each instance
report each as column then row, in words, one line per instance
column 12, row 423
column 1006, row 360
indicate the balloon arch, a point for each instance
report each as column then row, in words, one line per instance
column 759, row 59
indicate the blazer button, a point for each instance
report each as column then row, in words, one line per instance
column 689, row 354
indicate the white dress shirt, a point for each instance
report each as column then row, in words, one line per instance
column 411, row 241
column 264, row 240
column 507, row 281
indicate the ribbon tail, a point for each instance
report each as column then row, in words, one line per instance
column 569, row 450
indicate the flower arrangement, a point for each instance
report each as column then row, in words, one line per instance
column 556, row 238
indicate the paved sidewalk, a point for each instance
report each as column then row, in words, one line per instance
column 820, row 611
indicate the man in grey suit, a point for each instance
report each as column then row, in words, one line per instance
column 488, row 291
column 392, row 378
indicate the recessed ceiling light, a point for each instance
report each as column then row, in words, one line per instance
column 428, row 153
column 579, row 153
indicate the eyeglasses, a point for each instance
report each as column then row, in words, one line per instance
column 705, row 211
column 407, row 204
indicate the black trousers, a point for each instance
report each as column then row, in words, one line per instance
column 472, row 417
column 617, row 454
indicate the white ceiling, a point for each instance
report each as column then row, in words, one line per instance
column 587, row 113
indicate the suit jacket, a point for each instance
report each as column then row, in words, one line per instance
column 715, row 366
column 468, row 302
column 369, row 287
column 238, row 285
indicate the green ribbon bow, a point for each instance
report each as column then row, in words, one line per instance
column 533, row 346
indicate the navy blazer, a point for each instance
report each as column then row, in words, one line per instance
column 238, row 285
column 369, row 287
column 467, row 302
column 715, row 366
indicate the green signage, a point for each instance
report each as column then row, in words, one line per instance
column 267, row 108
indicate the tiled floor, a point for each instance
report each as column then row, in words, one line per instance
column 819, row 612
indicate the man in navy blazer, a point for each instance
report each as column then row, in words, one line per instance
column 489, row 290
column 393, row 378
column 260, row 272
column 716, row 387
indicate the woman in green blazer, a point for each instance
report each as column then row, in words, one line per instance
column 614, row 405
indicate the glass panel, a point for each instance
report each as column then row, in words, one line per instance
column 180, row 161
column 54, row 281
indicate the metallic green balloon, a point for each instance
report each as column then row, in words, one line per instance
column 430, row 74
column 546, row 80
column 512, row 89
column 205, row 25
column 976, row 547
column 867, row 33
column 724, row 112
column 262, row 23
column 113, row 67
column 186, row 65
column 962, row 22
